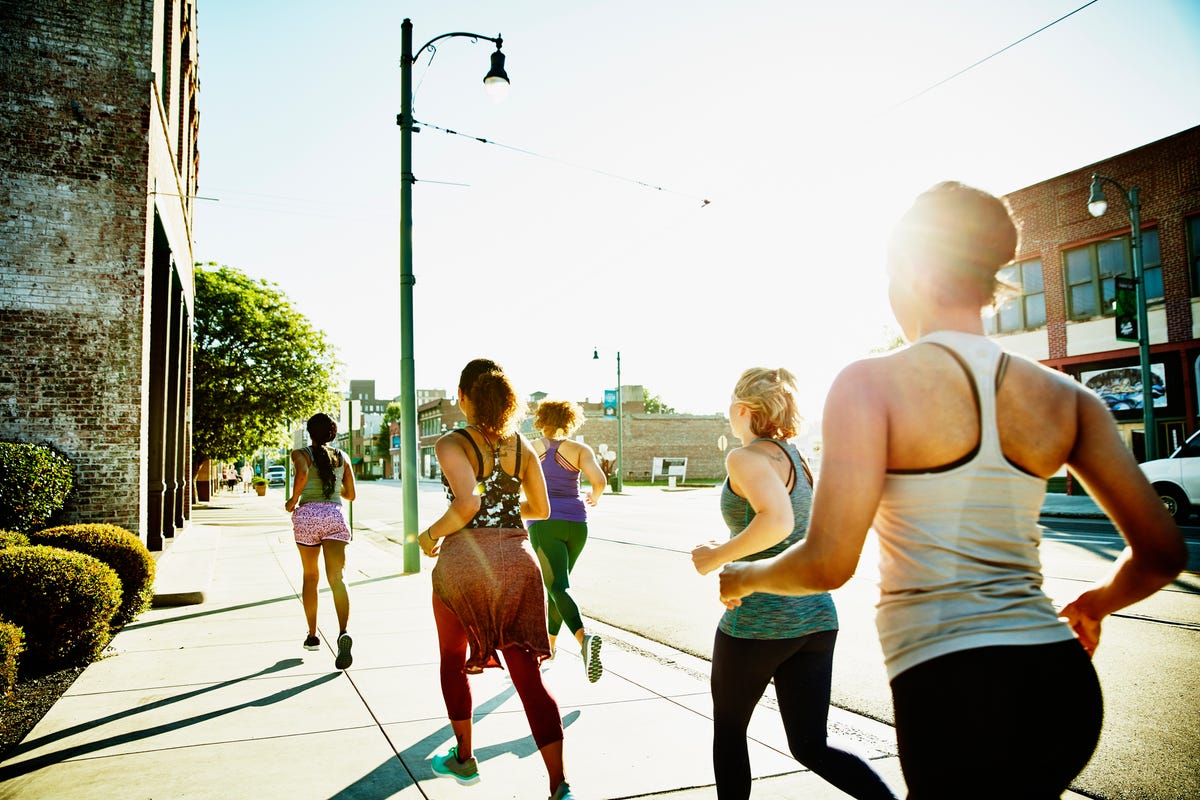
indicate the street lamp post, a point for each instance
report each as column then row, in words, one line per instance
column 495, row 82
column 1097, row 205
column 619, row 475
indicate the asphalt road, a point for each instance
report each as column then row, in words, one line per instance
column 636, row 575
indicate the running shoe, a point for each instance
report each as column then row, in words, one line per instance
column 563, row 792
column 448, row 766
column 344, row 659
column 312, row 643
column 591, row 657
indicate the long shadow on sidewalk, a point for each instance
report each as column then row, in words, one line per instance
column 15, row 770
column 415, row 758
column 270, row 600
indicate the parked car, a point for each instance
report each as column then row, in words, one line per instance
column 1177, row 478
column 276, row 476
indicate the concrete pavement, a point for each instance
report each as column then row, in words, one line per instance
column 219, row 700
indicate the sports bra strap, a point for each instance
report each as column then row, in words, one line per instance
column 478, row 454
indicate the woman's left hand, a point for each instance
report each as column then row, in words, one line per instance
column 705, row 558
column 1084, row 621
column 290, row 505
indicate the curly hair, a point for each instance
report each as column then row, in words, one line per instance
column 770, row 394
column 963, row 233
column 562, row 416
column 497, row 409
column 323, row 430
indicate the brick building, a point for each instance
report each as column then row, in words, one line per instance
column 1065, row 272
column 645, row 436
column 99, row 176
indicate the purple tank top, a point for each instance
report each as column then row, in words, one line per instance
column 562, row 483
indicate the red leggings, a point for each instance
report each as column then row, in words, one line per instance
column 540, row 707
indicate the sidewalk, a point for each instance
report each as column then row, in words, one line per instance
column 219, row 700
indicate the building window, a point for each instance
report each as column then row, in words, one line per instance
column 1025, row 307
column 1091, row 269
column 1193, row 243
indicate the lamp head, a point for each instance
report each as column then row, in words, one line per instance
column 496, row 81
column 1097, row 202
column 595, row 354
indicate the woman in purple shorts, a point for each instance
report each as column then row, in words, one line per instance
column 321, row 481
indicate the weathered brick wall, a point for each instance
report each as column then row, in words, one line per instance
column 74, row 89
column 650, row 436
column 1054, row 218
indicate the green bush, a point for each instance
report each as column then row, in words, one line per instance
column 64, row 601
column 34, row 483
column 13, row 539
column 12, row 642
column 119, row 549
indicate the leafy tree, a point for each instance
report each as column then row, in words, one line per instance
column 383, row 443
column 655, row 404
column 258, row 363
column 392, row 413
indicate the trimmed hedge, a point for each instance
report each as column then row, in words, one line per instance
column 64, row 601
column 119, row 549
column 13, row 539
column 12, row 642
column 34, row 483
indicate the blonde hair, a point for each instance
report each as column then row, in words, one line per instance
column 562, row 416
column 963, row 235
column 770, row 394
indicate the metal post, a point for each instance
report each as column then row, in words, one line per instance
column 408, row 391
column 620, row 433
column 1135, row 239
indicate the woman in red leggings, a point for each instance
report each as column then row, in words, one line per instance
column 487, row 587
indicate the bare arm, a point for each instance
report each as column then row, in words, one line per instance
column 460, row 474
column 300, row 465
column 590, row 468
column 853, row 468
column 347, row 479
column 1156, row 553
column 535, row 504
column 753, row 477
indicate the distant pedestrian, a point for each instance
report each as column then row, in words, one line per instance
column 230, row 478
column 765, row 502
column 487, row 588
column 247, row 476
column 322, row 479
column 944, row 449
column 559, row 540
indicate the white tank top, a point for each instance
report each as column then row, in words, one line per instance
column 959, row 565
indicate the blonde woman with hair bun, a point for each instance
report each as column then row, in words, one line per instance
column 765, row 503
column 560, row 539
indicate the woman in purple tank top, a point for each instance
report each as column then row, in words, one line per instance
column 559, row 540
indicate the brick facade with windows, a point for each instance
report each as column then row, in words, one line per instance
column 99, row 168
column 1078, row 335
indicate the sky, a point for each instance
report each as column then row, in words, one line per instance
column 808, row 127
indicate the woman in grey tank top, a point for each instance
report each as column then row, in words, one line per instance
column 944, row 449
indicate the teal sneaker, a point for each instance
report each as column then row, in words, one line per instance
column 448, row 766
column 563, row 792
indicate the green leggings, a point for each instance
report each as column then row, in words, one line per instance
column 558, row 544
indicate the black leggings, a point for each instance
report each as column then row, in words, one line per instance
column 997, row 722
column 802, row 669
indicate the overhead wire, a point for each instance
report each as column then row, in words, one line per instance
column 985, row 59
